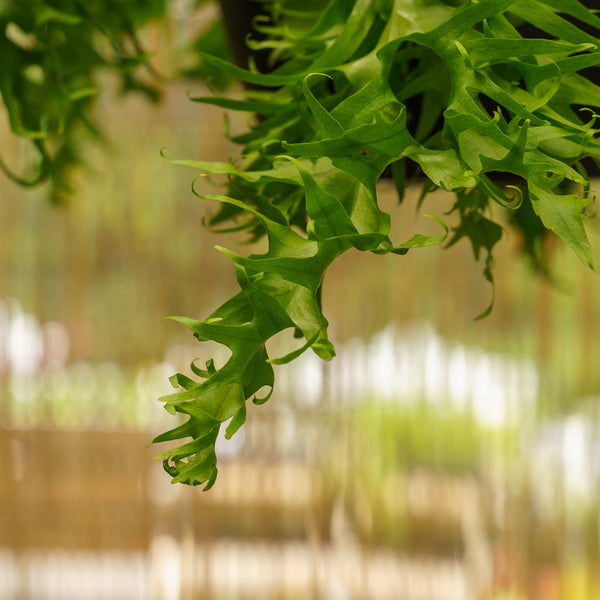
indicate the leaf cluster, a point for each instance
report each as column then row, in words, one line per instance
column 52, row 51
column 358, row 91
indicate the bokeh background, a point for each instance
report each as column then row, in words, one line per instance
column 436, row 457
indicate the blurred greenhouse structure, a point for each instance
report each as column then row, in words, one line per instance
column 436, row 457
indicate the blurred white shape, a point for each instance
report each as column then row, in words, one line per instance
column 405, row 379
column 307, row 379
column 349, row 373
column 296, row 569
column 336, row 590
column 248, row 569
column 381, row 356
column 435, row 367
column 10, row 580
column 489, row 402
column 458, row 377
column 576, row 455
column 288, row 435
column 166, row 568
column 78, row 575
column 415, row 364
column 25, row 344
column 4, row 328
column 565, row 451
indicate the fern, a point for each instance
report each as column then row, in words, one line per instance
column 337, row 113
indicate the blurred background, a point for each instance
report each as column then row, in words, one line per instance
column 436, row 457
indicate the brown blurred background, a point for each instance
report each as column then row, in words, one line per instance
column 435, row 457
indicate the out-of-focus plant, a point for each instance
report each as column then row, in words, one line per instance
column 52, row 52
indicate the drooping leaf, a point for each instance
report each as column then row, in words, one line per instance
column 363, row 88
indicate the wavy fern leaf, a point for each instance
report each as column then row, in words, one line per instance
column 363, row 88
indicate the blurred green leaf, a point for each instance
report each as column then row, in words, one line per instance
column 52, row 54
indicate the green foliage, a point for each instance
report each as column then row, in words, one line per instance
column 361, row 90
column 52, row 51
column 434, row 437
column 212, row 41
